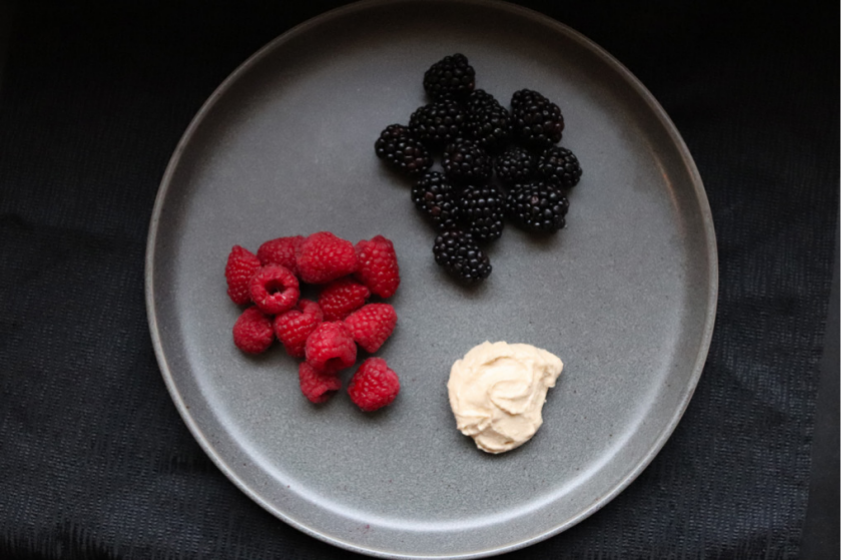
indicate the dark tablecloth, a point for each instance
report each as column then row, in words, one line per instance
column 95, row 461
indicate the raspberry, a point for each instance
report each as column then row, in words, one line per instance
column 274, row 289
column 341, row 297
column 374, row 385
column 253, row 331
column 294, row 327
column 281, row 251
column 311, row 308
column 371, row 326
column 378, row 268
column 317, row 386
column 242, row 264
column 323, row 257
column 330, row 347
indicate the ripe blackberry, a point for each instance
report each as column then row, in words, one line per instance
column 490, row 126
column 457, row 252
column 559, row 167
column 515, row 165
column 488, row 122
column 538, row 122
column 400, row 150
column 466, row 162
column 482, row 211
column 437, row 124
column 433, row 195
column 479, row 99
column 452, row 77
column 537, row 207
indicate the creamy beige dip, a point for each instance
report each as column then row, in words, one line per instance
column 497, row 393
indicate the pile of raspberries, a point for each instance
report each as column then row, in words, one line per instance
column 497, row 165
column 325, row 333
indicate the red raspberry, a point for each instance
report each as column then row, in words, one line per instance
column 378, row 266
column 317, row 386
column 253, row 331
column 281, row 251
column 242, row 264
column 371, row 326
column 293, row 327
column 274, row 289
column 373, row 385
column 323, row 257
column 311, row 308
column 330, row 348
column 341, row 297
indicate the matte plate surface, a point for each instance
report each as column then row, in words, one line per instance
column 625, row 294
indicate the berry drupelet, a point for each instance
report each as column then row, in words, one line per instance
column 402, row 151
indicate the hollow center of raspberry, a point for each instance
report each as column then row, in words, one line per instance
column 275, row 287
column 334, row 364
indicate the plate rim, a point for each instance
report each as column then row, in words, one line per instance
column 538, row 18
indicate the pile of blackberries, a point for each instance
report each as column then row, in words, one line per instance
column 497, row 163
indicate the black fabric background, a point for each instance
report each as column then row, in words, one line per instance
column 95, row 461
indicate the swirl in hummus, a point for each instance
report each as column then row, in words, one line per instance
column 497, row 393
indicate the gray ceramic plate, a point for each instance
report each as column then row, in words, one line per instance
column 625, row 295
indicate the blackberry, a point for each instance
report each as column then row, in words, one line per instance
column 479, row 99
column 538, row 122
column 559, row 167
column 488, row 122
column 489, row 126
column 437, row 124
column 452, row 77
column 433, row 195
column 482, row 211
column 537, row 207
column 515, row 165
column 400, row 150
column 465, row 161
column 457, row 252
